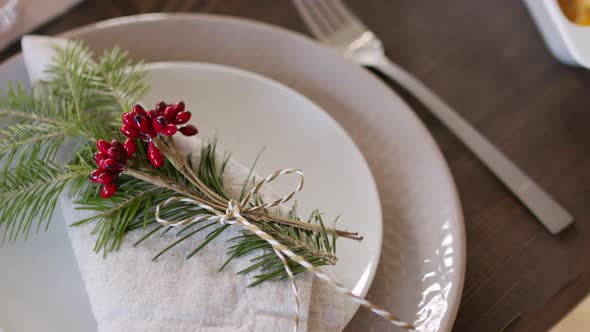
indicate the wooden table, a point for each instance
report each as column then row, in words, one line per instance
column 487, row 59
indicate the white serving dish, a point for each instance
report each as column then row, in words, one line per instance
column 569, row 42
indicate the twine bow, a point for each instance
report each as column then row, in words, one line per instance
column 234, row 208
column 232, row 211
column 234, row 215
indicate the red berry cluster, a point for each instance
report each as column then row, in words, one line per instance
column 111, row 159
column 163, row 120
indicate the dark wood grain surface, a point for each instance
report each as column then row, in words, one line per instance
column 487, row 60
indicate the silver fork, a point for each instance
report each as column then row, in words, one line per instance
column 337, row 27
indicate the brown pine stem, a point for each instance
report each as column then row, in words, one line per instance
column 264, row 217
column 297, row 243
column 33, row 117
column 179, row 161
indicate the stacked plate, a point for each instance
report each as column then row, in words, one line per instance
column 366, row 156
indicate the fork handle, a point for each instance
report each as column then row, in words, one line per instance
column 544, row 207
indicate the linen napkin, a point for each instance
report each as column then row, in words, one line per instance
column 129, row 292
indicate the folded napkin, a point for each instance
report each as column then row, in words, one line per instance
column 129, row 292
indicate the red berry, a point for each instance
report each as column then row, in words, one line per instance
column 115, row 144
column 95, row 175
column 180, row 106
column 170, row 130
column 129, row 131
column 170, row 113
column 129, row 146
column 105, row 178
column 189, row 130
column 98, row 156
column 151, row 115
column 103, row 146
column 142, row 124
column 128, row 118
column 182, row 117
column 160, row 107
column 110, row 165
column 138, row 110
column 154, row 155
column 108, row 190
column 102, row 164
column 116, row 154
column 159, row 124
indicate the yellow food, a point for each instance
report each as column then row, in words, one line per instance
column 577, row 11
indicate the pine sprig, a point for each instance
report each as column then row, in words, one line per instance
column 30, row 194
column 130, row 209
column 97, row 91
column 70, row 77
column 30, row 142
column 120, row 79
column 79, row 100
column 77, row 103
column 17, row 104
column 317, row 248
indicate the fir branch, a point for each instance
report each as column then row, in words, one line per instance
column 98, row 91
column 44, row 113
column 72, row 67
column 30, row 116
column 31, row 142
column 120, row 78
column 315, row 247
column 78, row 100
column 29, row 194
column 209, row 173
column 33, row 105
column 127, row 210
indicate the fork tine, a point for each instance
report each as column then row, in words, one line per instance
column 343, row 12
column 329, row 14
column 312, row 23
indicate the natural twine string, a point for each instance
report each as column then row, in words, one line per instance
column 233, row 215
column 293, row 287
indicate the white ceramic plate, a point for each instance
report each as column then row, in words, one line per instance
column 422, row 265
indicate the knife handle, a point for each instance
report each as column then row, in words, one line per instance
column 551, row 214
